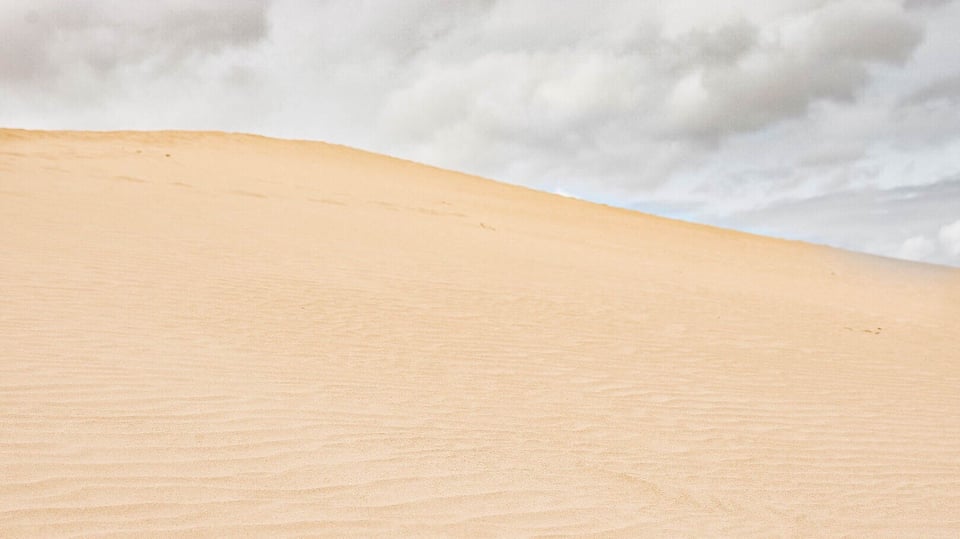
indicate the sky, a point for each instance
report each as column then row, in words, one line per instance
column 836, row 122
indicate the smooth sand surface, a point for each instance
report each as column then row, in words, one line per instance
column 229, row 335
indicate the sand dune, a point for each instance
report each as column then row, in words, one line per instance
column 228, row 335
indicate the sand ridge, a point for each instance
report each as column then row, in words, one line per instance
column 222, row 334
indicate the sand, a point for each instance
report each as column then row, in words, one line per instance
column 228, row 335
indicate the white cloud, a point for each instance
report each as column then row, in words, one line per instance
column 917, row 248
column 950, row 238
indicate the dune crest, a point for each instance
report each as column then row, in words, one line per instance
column 225, row 335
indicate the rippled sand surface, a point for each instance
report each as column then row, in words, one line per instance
column 228, row 335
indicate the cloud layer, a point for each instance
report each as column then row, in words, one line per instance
column 772, row 116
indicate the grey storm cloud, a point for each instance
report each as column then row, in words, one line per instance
column 915, row 4
column 826, row 56
column 716, row 112
column 46, row 40
column 947, row 89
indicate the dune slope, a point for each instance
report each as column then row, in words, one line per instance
column 228, row 335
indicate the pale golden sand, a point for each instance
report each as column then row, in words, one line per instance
column 227, row 335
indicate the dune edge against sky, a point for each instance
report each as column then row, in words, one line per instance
column 227, row 334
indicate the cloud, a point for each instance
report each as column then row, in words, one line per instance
column 714, row 111
column 943, row 248
column 49, row 41
column 823, row 55
column 947, row 89
column 901, row 222
column 950, row 238
column 94, row 64
column 916, row 248
column 638, row 82
column 919, row 4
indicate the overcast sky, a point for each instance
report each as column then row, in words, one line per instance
column 830, row 121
